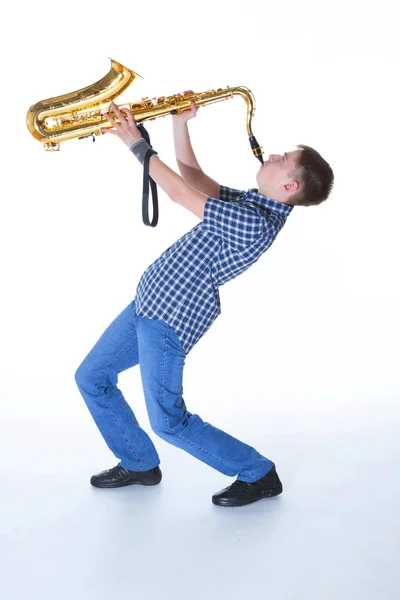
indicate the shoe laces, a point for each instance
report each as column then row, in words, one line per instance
column 117, row 467
column 241, row 486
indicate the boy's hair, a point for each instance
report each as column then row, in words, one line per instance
column 315, row 178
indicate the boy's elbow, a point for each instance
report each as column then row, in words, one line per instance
column 181, row 191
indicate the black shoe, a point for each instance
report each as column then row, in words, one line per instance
column 118, row 477
column 241, row 492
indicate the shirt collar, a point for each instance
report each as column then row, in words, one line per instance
column 267, row 202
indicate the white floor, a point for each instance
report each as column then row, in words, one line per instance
column 333, row 534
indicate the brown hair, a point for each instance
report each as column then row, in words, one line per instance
column 315, row 178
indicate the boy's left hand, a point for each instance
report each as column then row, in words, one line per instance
column 127, row 131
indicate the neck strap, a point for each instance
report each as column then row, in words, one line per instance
column 146, row 180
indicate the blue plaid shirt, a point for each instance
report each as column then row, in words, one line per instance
column 181, row 286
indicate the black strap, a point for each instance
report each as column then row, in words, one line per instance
column 146, row 179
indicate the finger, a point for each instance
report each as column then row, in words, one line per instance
column 131, row 119
column 108, row 130
column 117, row 111
column 110, row 120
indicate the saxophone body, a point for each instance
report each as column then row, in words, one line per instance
column 79, row 114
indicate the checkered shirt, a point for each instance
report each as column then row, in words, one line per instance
column 181, row 286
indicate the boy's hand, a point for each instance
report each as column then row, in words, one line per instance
column 187, row 114
column 127, row 131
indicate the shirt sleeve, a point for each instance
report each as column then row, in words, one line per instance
column 227, row 194
column 237, row 224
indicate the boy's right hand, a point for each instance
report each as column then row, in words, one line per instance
column 187, row 114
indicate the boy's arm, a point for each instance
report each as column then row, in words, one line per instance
column 177, row 188
column 188, row 166
column 172, row 184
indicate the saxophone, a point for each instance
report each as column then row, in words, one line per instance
column 80, row 114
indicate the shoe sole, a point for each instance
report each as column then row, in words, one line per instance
column 263, row 494
column 125, row 483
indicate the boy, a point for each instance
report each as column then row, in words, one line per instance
column 177, row 300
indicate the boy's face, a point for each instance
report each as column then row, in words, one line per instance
column 273, row 179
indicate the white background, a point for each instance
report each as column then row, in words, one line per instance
column 303, row 361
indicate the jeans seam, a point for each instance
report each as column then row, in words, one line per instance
column 165, row 416
column 108, row 407
column 113, row 361
column 182, row 437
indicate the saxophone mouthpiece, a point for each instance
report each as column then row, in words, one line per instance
column 257, row 149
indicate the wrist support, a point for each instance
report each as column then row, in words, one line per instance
column 140, row 148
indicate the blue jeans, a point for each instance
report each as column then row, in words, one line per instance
column 153, row 344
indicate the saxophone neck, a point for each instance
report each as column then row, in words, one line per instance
column 251, row 108
column 248, row 96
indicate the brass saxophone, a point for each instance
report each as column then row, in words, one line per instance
column 80, row 114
